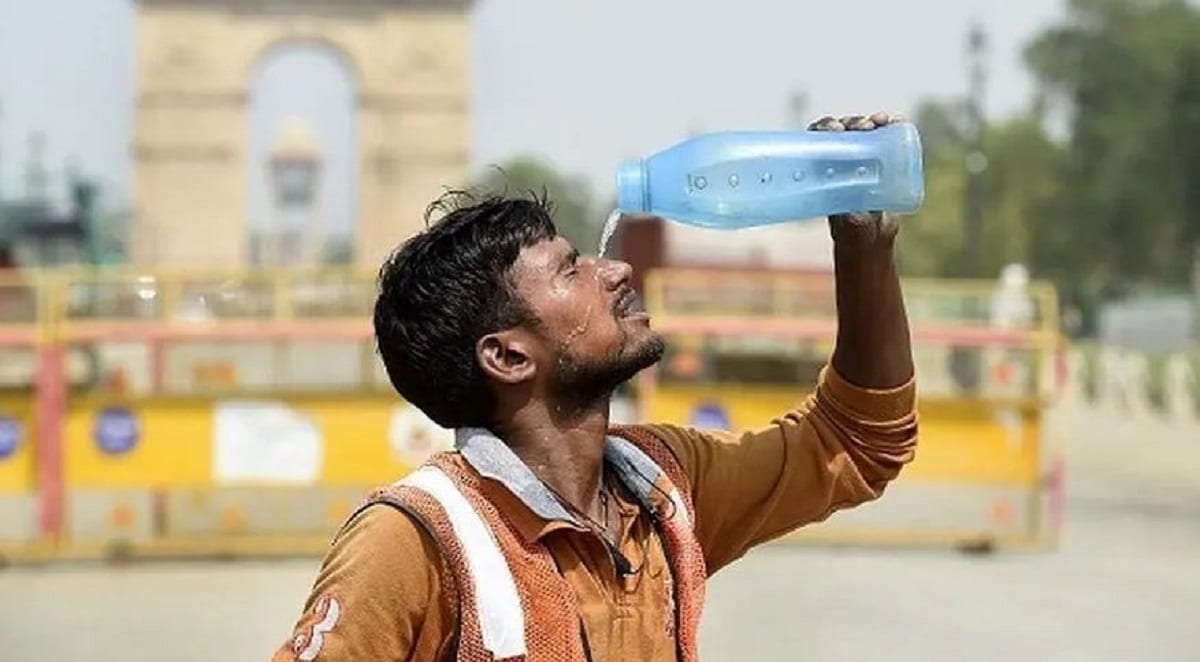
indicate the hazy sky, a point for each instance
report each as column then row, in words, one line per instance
column 584, row 84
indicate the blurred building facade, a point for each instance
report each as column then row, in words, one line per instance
column 409, row 64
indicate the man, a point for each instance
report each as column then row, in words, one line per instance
column 547, row 535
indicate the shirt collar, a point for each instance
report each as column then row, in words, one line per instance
column 493, row 459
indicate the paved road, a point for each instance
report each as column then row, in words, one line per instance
column 1125, row 587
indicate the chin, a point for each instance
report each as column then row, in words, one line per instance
column 646, row 350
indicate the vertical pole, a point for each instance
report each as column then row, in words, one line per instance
column 35, row 168
column 1196, row 294
column 50, row 412
column 976, row 161
column 50, row 409
column 158, row 366
column 1, row 152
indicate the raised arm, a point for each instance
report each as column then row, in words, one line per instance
column 842, row 446
column 873, row 346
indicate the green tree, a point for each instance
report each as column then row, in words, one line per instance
column 574, row 212
column 1128, row 74
column 1114, row 206
column 1019, row 182
column 931, row 242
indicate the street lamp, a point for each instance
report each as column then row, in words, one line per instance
column 295, row 170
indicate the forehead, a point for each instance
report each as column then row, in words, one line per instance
column 541, row 260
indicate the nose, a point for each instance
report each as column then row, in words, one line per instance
column 614, row 273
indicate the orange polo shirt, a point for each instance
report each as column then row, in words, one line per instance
column 838, row 449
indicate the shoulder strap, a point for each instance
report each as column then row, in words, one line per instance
column 497, row 602
column 644, row 449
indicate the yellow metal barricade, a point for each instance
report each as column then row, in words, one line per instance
column 21, row 317
column 745, row 347
column 183, row 412
column 223, row 413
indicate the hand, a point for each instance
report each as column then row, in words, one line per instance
column 873, row 229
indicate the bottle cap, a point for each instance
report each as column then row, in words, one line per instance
column 632, row 193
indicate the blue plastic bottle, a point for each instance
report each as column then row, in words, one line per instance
column 740, row 179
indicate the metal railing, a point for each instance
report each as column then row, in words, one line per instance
column 970, row 338
column 784, row 295
column 157, row 331
column 196, row 296
column 232, row 320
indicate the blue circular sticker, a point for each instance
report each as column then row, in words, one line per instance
column 10, row 436
column 116, row 430
column 710, row 415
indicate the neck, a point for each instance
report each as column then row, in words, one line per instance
column 566, row 451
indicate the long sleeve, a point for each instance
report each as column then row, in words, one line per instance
column 378, row 596
column 840, row 448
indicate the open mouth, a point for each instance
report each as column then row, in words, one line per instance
column 629, row 305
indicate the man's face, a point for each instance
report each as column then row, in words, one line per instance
column 595, row 332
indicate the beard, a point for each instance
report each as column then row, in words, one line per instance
column 586, row 381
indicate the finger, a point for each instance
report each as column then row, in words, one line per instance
column 849, row 119
column 827, row 123
column 858, row 123
column 882, row 119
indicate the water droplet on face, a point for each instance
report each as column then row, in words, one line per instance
column 798, row 176
column 582, row 327
column 701, row 182
column 829, row 173
column 766, row 178
column 862, row 171
column 734, row 180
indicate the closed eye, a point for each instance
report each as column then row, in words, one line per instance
column 570, row 263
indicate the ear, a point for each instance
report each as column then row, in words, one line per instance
column 506, row 356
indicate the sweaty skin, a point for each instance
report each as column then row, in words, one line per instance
column 582, row 328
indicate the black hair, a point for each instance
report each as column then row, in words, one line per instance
column 447, row 287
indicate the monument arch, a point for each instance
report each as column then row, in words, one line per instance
column 408, row 61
